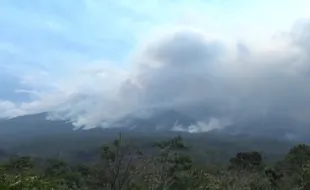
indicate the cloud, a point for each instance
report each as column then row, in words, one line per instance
column 93, row 64
column 184, row 70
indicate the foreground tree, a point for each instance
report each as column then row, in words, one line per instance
column 19, row 174
column 246, row 160
column 120, row 166
column 117, row 167
column 294, row 167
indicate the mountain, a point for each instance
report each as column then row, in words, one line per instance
column 35, row 135
column 273, row 127
column 160, row 121
column 31, row 125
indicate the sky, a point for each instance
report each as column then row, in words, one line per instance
column 95, row 61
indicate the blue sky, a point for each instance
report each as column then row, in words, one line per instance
column 46, row 33
column 45, row 42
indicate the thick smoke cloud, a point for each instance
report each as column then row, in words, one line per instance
column 187, row 72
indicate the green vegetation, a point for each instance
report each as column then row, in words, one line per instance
column 166, row 166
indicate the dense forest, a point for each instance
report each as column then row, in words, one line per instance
column 165, row 165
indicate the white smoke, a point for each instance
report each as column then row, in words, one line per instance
column 186, row 71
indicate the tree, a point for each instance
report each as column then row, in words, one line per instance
column 117, row 169
column 19, row 164
column 172, row 167
column 298, row 157
column 18, row 173
column 246, row 160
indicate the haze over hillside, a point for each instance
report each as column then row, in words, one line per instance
column 171, row 123
column 35, row 136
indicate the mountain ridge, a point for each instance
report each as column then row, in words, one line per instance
column 168, row 120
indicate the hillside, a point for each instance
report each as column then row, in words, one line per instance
column 34, row 135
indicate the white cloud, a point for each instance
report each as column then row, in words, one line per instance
column 177, row 71
column 223, row 56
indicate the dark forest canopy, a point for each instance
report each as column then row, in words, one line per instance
column 166, row 164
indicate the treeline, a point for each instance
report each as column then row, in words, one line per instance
column 122, row 166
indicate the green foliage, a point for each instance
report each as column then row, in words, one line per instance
column 117, row 166
column 298, row 157
column 17, row 174
column 122, row 166
column 246, row 160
